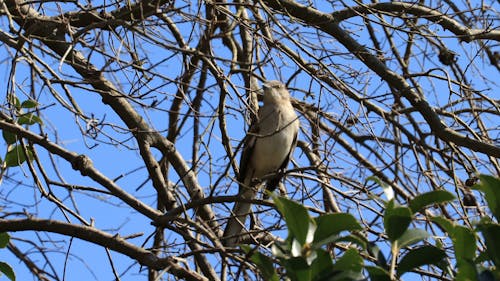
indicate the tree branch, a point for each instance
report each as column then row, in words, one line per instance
column 80, row 163
column 464, row 33
column 95, row 236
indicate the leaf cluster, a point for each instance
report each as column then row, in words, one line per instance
column 307, row 253
column 17, row 153
column 5, row 268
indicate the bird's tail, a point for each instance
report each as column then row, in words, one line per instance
column 239, row 214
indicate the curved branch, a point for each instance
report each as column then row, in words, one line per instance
column 95, row 236
column 41, row 274
column 466, row 34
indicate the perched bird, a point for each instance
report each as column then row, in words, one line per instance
column 267, row 149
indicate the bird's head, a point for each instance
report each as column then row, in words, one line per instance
column 275, row 92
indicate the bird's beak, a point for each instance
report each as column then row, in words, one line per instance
column 265, row 86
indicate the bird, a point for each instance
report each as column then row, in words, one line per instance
column 267, row 149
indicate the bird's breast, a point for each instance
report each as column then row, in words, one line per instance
column 273, row 145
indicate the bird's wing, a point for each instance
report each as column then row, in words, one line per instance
column 246, row 155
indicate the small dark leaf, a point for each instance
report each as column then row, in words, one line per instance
column 346, row 276
column 377, row 273
column 412, row 236
column 350, row 261
column 7, row 270
column 29, row 104
column 430, row 198
column 4, row 239
column 298, row 269
column 491, row 234
column 466, row 271
column 375, row 252
column 296, row 217
column 464, row 243
column 356, row 239
column 321, row 267
column 265, row 265
column 15, row 156
column 490, row 186
column 9, row 137
column 29, row 119
column 396, row 220
column 330, row 225
column 263, row 262
column 13, row 100
column 425, row 255
column 482, row 257
column 444, row 223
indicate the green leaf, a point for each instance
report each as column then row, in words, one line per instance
column 424, row 255
column 412, row 236
column 376, row 253
column 29, row 119
column 466, row 271
column 356, row 239
column 322, row 265
column 330, row 225
column 377, row 273
column 296, row 217
column 16, row 157
column 445, row 224
column 13, row 100
column 491, row 235
column 396, row 220
column 430, row 198
column 29, row 104
column 9, row 137
column 263, row 262
column 350, row 261
column 481, row 257
column 345, row 276
column 7, row 270
column 4, row 239
column 265, row 265
column 298, row 269
column 349, row 267
column 464, row 243
column 491, row 188
column 389, row 192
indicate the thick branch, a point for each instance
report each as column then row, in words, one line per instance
column 95, row 236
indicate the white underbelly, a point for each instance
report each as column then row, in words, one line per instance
column 271, row 151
